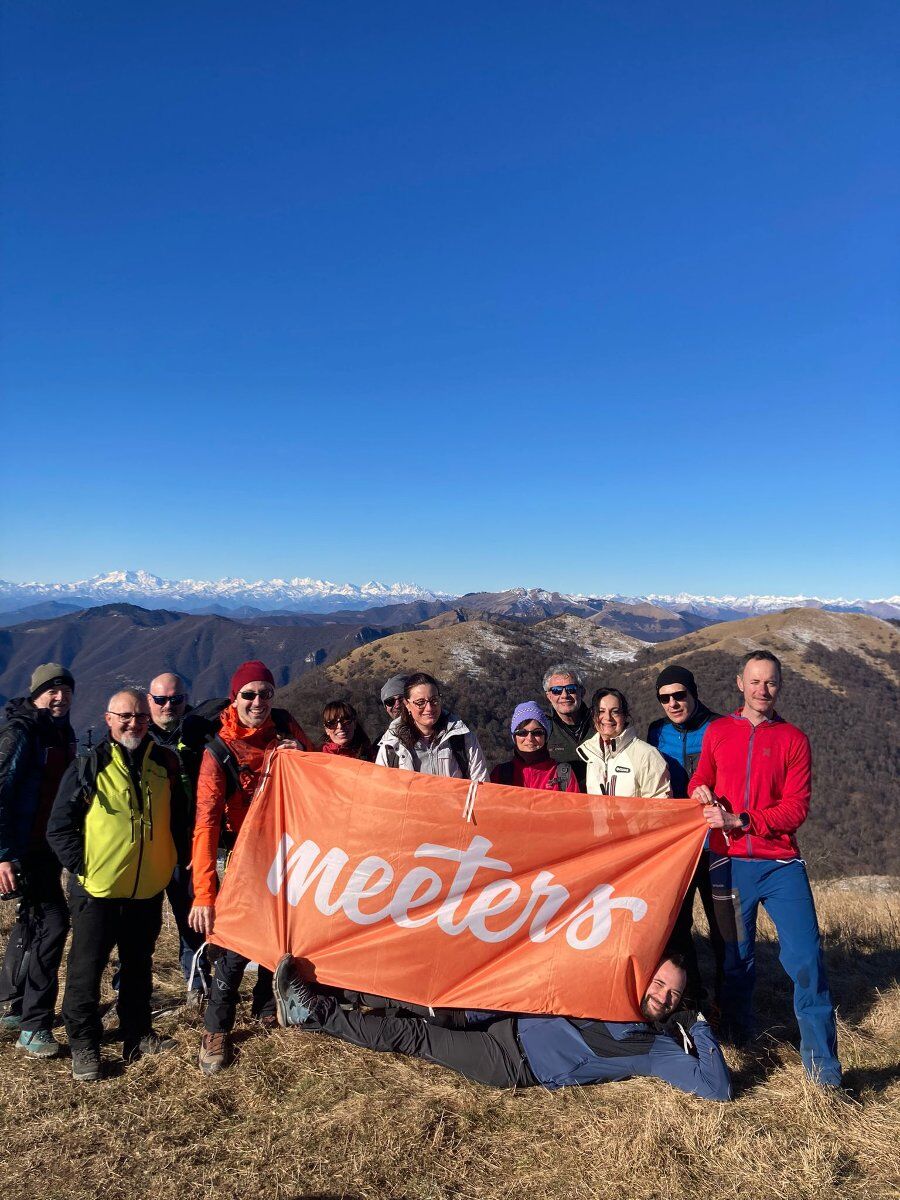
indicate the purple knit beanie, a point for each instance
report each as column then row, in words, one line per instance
column 529, row 711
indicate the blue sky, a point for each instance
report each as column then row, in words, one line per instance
column 597, row 296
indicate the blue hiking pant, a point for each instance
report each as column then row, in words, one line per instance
column 739, row 886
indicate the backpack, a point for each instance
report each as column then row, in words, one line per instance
column 560, row 780
column 457, row 744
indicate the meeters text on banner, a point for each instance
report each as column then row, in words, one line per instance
column 444, row 893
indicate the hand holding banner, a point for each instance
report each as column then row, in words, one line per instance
column 541, row 902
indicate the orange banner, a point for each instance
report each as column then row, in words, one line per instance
column 444, row 893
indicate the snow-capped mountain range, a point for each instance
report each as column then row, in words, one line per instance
column 318, row 595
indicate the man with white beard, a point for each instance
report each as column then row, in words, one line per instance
column 119, row 824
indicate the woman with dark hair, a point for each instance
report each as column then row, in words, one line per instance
column 343, row 733
column 619, row 763
column 424, row 738
column 531, row 765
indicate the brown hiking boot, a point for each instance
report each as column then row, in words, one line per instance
column 214, row 1053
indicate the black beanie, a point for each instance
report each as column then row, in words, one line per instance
column 676, row 674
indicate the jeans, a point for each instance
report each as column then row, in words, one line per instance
column 739, row 886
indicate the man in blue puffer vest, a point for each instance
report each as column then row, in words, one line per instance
column 670, row 1043
column 678, row 736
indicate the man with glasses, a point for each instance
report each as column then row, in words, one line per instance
column 229, row 775
column 571, row 717
column 37, row 743
column 392, row 696
column 118, row 825
column 172, row 726
column 678, row 736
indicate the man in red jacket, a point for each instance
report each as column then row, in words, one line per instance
column 754, row 780
column 230, row 772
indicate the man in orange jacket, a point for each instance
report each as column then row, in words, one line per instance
column 229, row 775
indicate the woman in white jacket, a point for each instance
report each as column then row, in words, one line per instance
column 619, row 763
column 424, row 738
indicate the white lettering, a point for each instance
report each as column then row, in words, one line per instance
column 296, row 868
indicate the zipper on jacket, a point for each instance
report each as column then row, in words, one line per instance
column 747, row 785
column 137, row 874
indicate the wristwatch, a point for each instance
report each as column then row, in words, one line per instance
column 744, row 818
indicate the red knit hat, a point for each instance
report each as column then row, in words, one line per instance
column 253, row 671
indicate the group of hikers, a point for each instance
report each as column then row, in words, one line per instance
column 153, row 807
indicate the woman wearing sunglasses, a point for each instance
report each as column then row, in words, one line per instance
column 531, row 765
column 343, row 733
column 424, row 738
column 619, row 763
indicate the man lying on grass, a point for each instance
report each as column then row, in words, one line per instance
column 671, row 1043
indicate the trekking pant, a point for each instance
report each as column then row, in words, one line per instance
column 180, row 894
column 228, row 972
column 493, row 1056
column 29, row 979
column 739, row 886
column 97, row 926
column 681, row 940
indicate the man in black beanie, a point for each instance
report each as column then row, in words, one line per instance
column 37, row 743
column 679, row 738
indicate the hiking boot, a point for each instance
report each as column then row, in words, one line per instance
column 215, row 1053
column 11, row 1021
column 296, row 1001
column 268, row 1021
column 150, row 1043
column 39, row 1044
column 86, row 1065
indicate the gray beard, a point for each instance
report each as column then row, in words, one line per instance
column 129, row 741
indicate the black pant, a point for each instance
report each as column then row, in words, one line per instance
column 681, row 940
column 223, row 995
column 97, row 926
column 493, row 1056
column 29, row 979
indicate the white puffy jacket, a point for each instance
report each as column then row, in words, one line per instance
column 625, row 767
column 437, row 757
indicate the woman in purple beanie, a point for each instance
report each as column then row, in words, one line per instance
column 531, row 766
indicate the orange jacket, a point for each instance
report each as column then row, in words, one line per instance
column 249, row 748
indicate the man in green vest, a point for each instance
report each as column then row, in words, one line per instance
column 119, row 825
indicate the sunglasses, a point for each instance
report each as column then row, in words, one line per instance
column 179, row 698
column 249, row 696
column 677, row 697
column 340, row 723
column 537, row 734
column 571, row 689
column 393, row 702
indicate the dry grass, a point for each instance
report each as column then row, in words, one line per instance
column 300, row 1115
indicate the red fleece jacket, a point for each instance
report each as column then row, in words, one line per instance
column 764, row 770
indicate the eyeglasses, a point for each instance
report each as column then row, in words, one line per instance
column 677, row 697
column 537, row 734
column 571, row 689
column 393, row 702
column 340, row 723
column 130, row 718
column 420, row 704
column 265, row 694
column 178, row 698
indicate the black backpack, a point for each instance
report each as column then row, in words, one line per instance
column 457, row 744
column 560, row 780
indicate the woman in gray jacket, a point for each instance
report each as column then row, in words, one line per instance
column 424, row 738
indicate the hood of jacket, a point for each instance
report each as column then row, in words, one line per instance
column 595, row 748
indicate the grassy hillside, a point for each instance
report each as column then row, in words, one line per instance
column 301, row 1116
